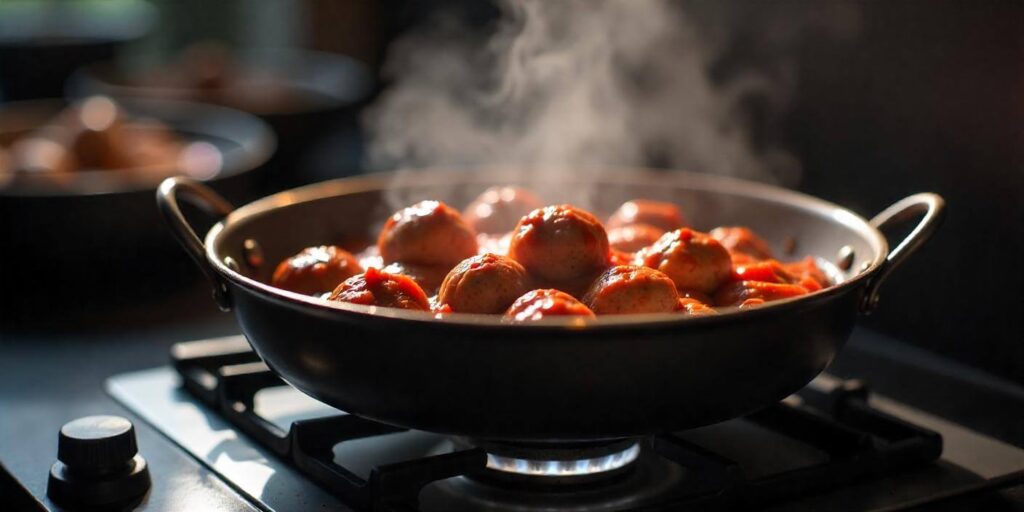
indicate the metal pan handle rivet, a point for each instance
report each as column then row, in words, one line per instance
column 789, row 245
column 210, row 202
column 931, row 209
column 253, row 253
column 231, row 263
column 845, row 257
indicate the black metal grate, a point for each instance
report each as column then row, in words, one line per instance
column 861, row 442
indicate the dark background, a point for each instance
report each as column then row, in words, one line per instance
column 921, row 96
column 930, row 97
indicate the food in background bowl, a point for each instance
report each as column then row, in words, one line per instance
column 96, row 134
column 556, row 260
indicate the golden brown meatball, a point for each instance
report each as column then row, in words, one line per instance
column 376, row 288
column 540, row 304
column 427, row 233
column 634, row 237
column 629, row 289
column 693, row 260
column 560, row 243
column 315, row 270
column 743, row 241
column 664, row 216
column 429, row 277
column 498, row 209
column 487, row 283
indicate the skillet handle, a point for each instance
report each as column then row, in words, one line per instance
column 211, row 203
column 931, row 207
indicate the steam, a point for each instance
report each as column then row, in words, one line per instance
column 585, row 84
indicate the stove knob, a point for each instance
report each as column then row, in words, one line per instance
column 98, row 464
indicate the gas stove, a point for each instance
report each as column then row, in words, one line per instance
column 256, row 443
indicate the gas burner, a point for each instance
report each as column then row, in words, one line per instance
column 567, row 463
column 649, row 481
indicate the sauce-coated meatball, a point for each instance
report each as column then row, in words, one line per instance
column 540, row 304
column 630, row 289
column 634, row 237
column 560, row 243
column 738, row 292
column 429, row 277
column 487, row 283
column 693, row 260
column 427, row 233
column 743, row 241
column 664, row 216
column 376, row 288
column 315, row 270
column 498, row 209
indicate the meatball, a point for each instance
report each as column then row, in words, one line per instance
column 695, row 307
column 315, row 270
column 693, row 260
column 630, row 289
column 743, row 241
column 740, row 292
column 540, row 304
column 99, row 135
column 634, row 237
column 487, row 283
column 376, row 288
column 429, row 277
column 560, row 243
column 427, row 233
column 664, row 216
column 498, row 209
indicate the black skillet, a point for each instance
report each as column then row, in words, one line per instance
column 477, row 376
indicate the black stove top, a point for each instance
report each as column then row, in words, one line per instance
column 220, row 432
column 832, row 445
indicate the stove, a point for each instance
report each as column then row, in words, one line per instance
column 835, row 445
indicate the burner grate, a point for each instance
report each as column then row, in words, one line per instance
column 859, row 441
